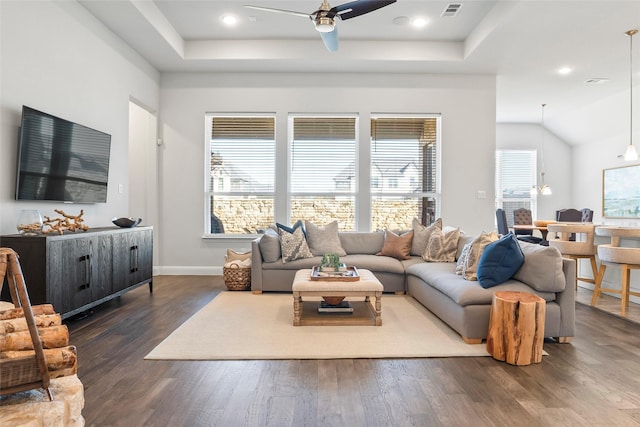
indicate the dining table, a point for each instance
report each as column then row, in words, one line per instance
column 541, row 227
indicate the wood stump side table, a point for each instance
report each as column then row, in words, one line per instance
column 516, row 327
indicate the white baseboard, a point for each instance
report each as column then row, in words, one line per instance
column 170, row 270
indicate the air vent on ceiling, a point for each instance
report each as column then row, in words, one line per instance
column 596, row 81
column 452, row 9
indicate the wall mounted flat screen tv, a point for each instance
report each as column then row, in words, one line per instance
column 59, row 160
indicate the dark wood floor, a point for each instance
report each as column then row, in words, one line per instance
column 593, row 381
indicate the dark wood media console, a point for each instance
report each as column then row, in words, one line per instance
column 77, row 271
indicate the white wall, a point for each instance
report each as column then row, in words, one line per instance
column 56, row 57
column 467, row 105
column 589, row 160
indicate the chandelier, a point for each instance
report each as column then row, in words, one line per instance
column 543, row 188
column 631, row 154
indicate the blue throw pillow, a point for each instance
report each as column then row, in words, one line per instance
column 292, row 229
column 499, row 261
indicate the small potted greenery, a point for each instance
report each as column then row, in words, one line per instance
column 331, row 263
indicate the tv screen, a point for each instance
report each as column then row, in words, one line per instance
column 59, row 160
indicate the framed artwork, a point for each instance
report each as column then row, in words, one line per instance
column 621, row 192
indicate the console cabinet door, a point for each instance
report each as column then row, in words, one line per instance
column 70, row 273
column 101, row 263
column 132, row 258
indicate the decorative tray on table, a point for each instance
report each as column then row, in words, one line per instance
column 348, row 275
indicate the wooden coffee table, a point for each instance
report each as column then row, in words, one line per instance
column 305, row 313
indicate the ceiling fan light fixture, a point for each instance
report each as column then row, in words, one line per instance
column 324, row 24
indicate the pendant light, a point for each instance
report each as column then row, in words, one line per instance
column 631, row 154
column 543, row 188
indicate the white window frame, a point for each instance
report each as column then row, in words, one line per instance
column 209, row 191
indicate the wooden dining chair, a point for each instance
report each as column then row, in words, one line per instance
column 614, row 255
column 581, row 248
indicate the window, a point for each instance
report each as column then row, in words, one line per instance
column 515, row 176
column 241, row 166
column 323, row 178
column 404, row 152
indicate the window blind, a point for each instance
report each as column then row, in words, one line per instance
column 323, row 155
column 515, row 176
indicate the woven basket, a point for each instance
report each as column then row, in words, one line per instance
column 236, row 278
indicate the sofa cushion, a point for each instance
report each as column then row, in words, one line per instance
column 361, row 242
column 442, row 246
column 322, row 240
column 293, row 245
column 397, row 246
column 442, row 277
column 542, row 268
column 477, row 246
column 421, row 235
column 375, row 263
column 270, row 246
column 499, row 261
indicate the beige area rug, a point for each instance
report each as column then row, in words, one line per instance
column 241, row 325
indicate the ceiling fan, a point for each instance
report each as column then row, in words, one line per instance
column 324, row 18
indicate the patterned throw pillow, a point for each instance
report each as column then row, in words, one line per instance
column 442, row 246
column 464, row 255
column 477, row 246
column 397, row 246
column 293, row 245
column 421, row 234
column 322, row 240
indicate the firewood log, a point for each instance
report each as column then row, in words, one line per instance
column 20, row 323
column 19, row 312
column 53, row 337
column 57, row 358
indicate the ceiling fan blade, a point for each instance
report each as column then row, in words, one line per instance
column 288, row 12
column 358, row 7
column 330, row 39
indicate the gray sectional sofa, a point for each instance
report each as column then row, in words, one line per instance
column 463, row 304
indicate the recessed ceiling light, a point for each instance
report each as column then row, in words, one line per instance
column 419, row 22
column 565, row 70
column 401, row 20
column 229, row 20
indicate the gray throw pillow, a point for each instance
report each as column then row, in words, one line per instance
column 421, row 235
column 270, row 246
column 542, row 268
column 322, row 240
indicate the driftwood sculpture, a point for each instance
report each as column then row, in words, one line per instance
column 66, row 223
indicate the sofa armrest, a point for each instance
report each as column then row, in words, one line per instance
column 256, row 266
column 567, row 299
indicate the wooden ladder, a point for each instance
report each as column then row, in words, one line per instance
column 29, row 372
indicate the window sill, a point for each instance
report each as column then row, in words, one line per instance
column 231, row 237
